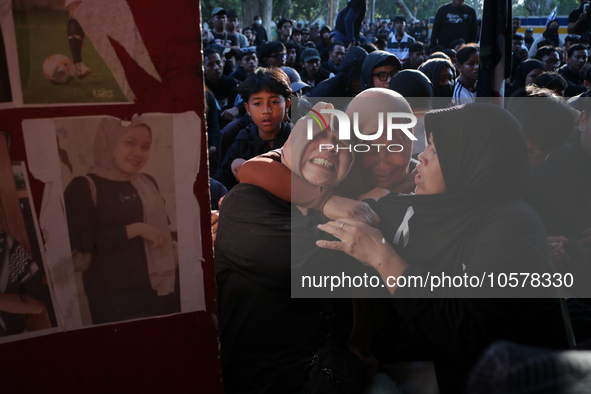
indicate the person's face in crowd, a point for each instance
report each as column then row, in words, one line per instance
column 515, row 24
column 325, row 35
column 337, row 54
column 390, row 25
column 286, row 29
column 267, row 110
column 382, row 75
column 213, row 67
column 305, row 36
column 371, row 26
column 296, row 37
column 219, row 22
column 399, row 27
column 554, row 25
column 523, row 54
column 276, row 59
column 291, row 57
column 132, row 151
column 429, row 179
column 312, row 66
column 231, row 24
column 517, row 45
column 446, row 76
column 529, row 34
column 326, row 167
column 577, row 60
column 249, row 35
column 382, row 169
column 457, row 3
column 258, row 21
column 469, row 69
column 249, row 63
column 536, row 155
column 416, row 58
column 530, row 78
column 551, row 61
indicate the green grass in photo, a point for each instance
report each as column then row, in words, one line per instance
column 42, row 33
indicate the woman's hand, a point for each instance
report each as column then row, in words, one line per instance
column 341, row 207
column 559, row 255
column 366, row 244
column 357, row 239
column 151, row 233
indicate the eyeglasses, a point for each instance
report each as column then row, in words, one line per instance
column 248, row 50
column 279, row 55
column 383, row 75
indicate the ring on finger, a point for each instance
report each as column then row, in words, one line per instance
column 342, row 224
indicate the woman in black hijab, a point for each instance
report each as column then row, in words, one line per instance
column 467, row 218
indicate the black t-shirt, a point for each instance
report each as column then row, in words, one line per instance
column 583, row 27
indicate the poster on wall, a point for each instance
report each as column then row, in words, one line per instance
column 66, row 50
column 26, row 303
column 119, row 218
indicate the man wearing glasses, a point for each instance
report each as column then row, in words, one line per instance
column 379, row 67
column 549, row 57
column 247, row 62
column 272, row 54
column 284, row 27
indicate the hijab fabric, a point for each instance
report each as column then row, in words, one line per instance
column 161, row 262
column 483, row 157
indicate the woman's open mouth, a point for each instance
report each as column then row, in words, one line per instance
column 323, row 163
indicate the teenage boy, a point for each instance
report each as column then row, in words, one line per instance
column 266, row 98
column 571, row 71
column 416, row 56
column 247, row 63
column 467, row 64
column 222, row 87
column 399, row 41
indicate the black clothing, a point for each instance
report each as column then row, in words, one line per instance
column 321, row 75
column 349, row 20
column 329, row 66
column 573, row 80
column 478, row 225
column 239, row 74
column 261, row 32
column 454, row 22
column 225, row 91
column 247, row 145
column 349, row 71
column 116, row 282
column 224, row 39
column 265, row 335
column 584, row 28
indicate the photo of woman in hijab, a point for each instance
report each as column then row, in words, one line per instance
column 117, row 218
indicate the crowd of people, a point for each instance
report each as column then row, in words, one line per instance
column 479, row 189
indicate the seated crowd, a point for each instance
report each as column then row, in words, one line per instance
column 476, row 189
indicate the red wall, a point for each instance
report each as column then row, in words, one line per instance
column 176, row 354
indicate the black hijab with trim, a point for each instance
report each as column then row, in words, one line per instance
column 483, row 158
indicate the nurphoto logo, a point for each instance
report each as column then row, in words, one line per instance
column 391, row 120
